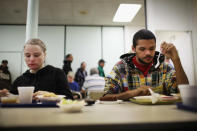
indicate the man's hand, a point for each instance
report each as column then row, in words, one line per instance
column 169, row 50
column 143, row 91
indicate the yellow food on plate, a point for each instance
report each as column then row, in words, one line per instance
column 49, row 95
column 67, row 102
column 71, row 105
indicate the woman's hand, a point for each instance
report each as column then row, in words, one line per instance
column 4, row 92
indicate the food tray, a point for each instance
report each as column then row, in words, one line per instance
column 184, row 107
column 33, row 105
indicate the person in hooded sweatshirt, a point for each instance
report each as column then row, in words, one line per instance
column 67, row 63
column 144, row 69
column 5, row 75
column 43, row 78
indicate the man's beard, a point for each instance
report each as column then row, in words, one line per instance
column 143, row 62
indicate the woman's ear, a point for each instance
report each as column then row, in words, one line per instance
column 45, row 54
column 45, row 57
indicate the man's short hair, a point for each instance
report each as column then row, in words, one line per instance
column 101, row 61
column 83, row 63
column 94, row 71
column 143, row 34
column 4, row 62
column 68, row 55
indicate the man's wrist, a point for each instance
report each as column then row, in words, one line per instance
column 175, row 59
column 133, row 93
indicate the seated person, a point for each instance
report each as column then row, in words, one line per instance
column 72, row 84
column 143, row 69
column 94, row 81
column 81, row 74
column 80, row 77
column 94, row 85
column 43, row 78
column 74, row 87
column 5, row 76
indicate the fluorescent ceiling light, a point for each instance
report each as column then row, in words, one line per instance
column 126, row 12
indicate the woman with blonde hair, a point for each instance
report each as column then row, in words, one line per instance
column 43, row 78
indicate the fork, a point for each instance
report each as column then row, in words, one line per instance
column 155, row 96
column 157, row 65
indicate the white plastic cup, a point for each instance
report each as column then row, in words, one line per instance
column 188, row 94
column 25, row 94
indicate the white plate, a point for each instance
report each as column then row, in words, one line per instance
column 162, row 97
column 58, row 98
column 143, row 97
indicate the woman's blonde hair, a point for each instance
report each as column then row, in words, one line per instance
column 36, row 41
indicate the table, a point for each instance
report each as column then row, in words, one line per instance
column 125, row 116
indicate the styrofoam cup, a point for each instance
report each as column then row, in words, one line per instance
column 25, row 94
column 188, row 94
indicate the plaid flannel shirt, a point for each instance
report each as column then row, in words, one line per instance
column 126, row 76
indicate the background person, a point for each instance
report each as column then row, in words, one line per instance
column 74, row 87
column 94, row 81
column 67, row 63
column 94, row 85
column 72, row 84
column 101, row 64
column 5, row 76
column 81, row 74
column 80, row 77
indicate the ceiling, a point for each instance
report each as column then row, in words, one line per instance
column 69, row 12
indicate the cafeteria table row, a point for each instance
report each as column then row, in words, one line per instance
column 99, row 117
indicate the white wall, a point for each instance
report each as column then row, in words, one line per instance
column 194, row 33
column 169, row 15
column 12, row 40
column 113, row 46
column 173, row 15
column 53, row 37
